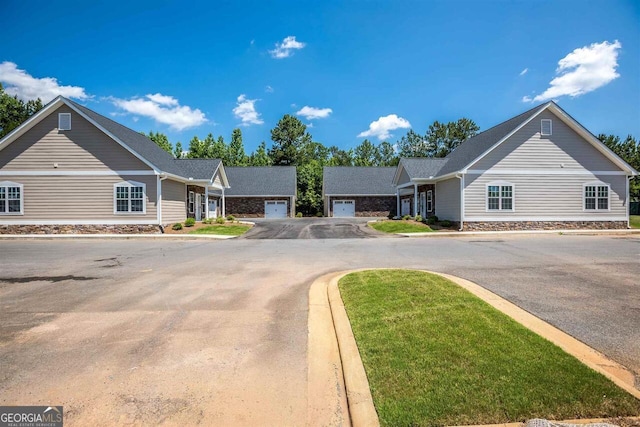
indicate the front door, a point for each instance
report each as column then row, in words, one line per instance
column 406, row 207
column 198, row 207
column 213, row 208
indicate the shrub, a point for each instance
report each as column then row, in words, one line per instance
column 446, row 223
column 190, row 222
column 231, row 218
column 406, row 217
column 220, row 220
column 207, row 220
column 419, row 218
column 319, row 214
column 432, row 220
column 177, row 226
column 299, row 215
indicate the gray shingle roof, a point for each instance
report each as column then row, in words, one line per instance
column 261, row 181
column 473, row 147
column 354, row 180
column 424, row 168
column 202, row 169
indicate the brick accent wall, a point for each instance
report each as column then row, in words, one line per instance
column 196, row 189
column 544, row 225
column 377, row 206
column 80, row 229
column 424, row 189
column 252, row 207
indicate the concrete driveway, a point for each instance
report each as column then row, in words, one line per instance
column 312, row 228
column 215, row 332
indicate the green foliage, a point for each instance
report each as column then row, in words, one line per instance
column 177, row 152
column 14, row 112
column 414, row 145
column 365, row 154
column 222, row 230
column 446, row 223
column 432, row 220
column 299, row 215
column 231, row 218
column 406, row 217
column 309, row 178
column 319, row 214
column 207, row 221
column 629, row 151
column 161, row 140
column 400, row 227
column 235, row 153
column 260, row 157
column 439, row 140
column 177, row 226
column 288, row 137
column 189, row 222
column 386, row 155
column 418, row 218
column 338, row 157
column 220, row 220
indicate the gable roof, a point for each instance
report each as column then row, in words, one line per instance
column 262, row 181
column 198, row 169
column 422, row 168
column 358, row 180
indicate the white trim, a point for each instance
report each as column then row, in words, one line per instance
column 79, row 222
column 76, row 173
column 360, row 195
column 550, row 127
column 10, row 184
column 190, row 196
column 415, row 200
column 274, row 195
column 428, row 201
column 545, row 218
column 60, row 115
column 628, row 204
column 584, row 196
column 405, row 185
column 462, row 188
column 129, row 184
column 159, row 198
column 542, row 172
column 499, row 184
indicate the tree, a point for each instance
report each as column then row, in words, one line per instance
column 289, row 135
column 443, row 138
column 415, row 145
column 309, row 179
column 629, row 151
column 365, row 154
column 198, row 149
column 161, row 140
column 217, row 148
column 235, row 154
column 177, row 152
column 386, row 155
column 340, row 157
column 14, row 112
column 260, row 156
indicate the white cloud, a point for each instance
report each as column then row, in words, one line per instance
column 311, row 113
column 309, row 125
column 163, row 109
column 286, row 48
column 582, row 71
column 382, row 127
column 268, row 89
column 523, row 72
column 246, row 111
column 26, row 87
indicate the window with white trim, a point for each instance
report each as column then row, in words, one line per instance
column 545, row 127
column 64, row 121
column 129, row 197
column 203, row 205
column 11, row 198
column 596, row 197
column 430, row 201
column 192, row 202
column 499, row 197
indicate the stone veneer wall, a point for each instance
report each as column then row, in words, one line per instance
column 80, row 229
column 366, row 206
column 252, row 207
column 195, row 189
column 544, row 225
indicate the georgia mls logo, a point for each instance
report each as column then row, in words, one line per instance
column 31, row 416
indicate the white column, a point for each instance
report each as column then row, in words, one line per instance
column 415, row 199
column 224, row 214
column 397, row 201
column 206, row 202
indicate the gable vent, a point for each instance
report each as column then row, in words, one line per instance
column 64, row 121
column 545, row 127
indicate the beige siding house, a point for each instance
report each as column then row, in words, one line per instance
column 69, row 169
column 538, row 170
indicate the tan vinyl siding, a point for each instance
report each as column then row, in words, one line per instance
column 81, row 198
column 448, row 199
column 84, row 147
column 563, row 150
column 174, row 208
column 218, row 179
column 404, row 177
column 549, row 196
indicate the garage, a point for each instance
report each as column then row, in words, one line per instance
column 275, row 209
column 344, row 208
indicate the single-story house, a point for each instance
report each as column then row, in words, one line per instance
column 70, row 169
column 261, row 191
column 350, row 191
column 539, row 170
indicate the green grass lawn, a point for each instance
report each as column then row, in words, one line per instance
column 437, row 355
column 400, row 226
column 226, row 230
column 634, row 221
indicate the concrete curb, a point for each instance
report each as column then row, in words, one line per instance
column 115, row 236
column 522, row 232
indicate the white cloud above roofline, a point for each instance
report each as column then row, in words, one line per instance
column 163, row 109
column 382, row 127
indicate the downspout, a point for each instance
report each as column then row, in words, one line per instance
column 397, row 201
column 159, row 201
column 629, row 178
column 224, row 211
column 415, row 200
column 461, row 178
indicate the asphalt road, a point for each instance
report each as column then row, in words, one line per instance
column 215, row 332
column 312, row 228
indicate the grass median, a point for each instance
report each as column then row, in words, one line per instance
column 222, row 230
column 634, row 221
column 401, row 226
column 437, row 355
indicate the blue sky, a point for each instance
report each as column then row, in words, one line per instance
column 363, row 69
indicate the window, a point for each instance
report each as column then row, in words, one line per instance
column 11, row 198
column 64, row 121
column 596, row 197
column 500, row 197
column 545, row 127
column 430, row 201
column 203, row 205
column 129, row 197
column 192, row 203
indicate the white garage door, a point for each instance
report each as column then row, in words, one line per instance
column 275, row 209
column 344, row 208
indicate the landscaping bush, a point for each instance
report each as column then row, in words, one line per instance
column 419, row 218
column 299, row 215
column 207, row 221
column 177, row 226
column 231, row 218
column 406, row 217
column 432, row 220
column 446, row 223
column 319, row 214
column 220, row 220
column 190, row 222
